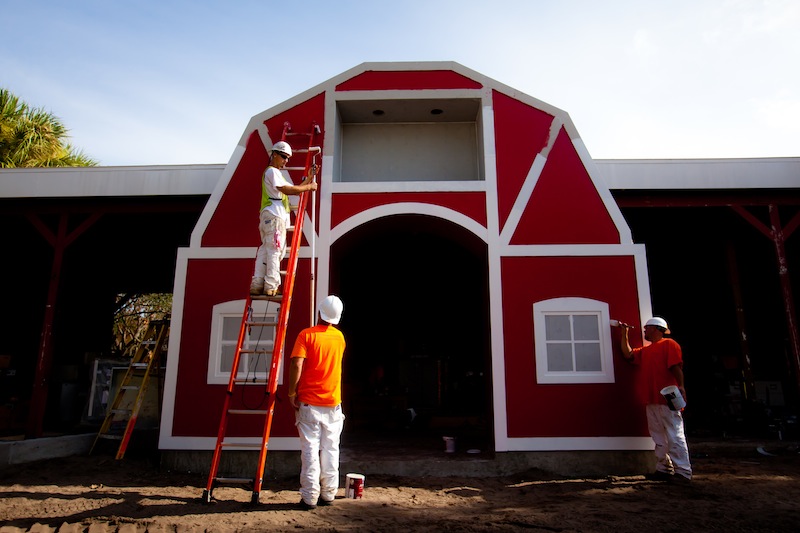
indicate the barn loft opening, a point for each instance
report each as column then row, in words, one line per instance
column 418, row 362
column 409, row 140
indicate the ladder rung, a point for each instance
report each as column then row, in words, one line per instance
column 247, row 411
column 260, row 381
column 110, row 437
column 241, row 480
column 121, row 411
column 276, row 298
column 294, row 168
column 256, row 351
column 138, row 365
column 290, row 228
column 130, row 387
column 241, row 445
column 261, row 324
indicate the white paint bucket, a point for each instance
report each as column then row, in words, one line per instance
column 674, row 399
column 449, row 444
column 354, row 486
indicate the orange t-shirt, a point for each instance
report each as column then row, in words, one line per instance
column 655, row 361
column 322, row 347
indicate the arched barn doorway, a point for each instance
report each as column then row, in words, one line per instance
column 418, row 362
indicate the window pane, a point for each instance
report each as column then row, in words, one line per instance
column 557, row 328
column 258, row 362
column 587, row 327
column 559, row 357
column 230, row 328
column 587, row 357
column 226, row 362
column 261, row 333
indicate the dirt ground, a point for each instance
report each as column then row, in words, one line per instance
column 736, row 488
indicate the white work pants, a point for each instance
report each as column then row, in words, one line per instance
column 320, row 429
column 272, row 250
column 672, row 451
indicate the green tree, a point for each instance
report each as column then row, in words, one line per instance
column 33, row 137
column 132, row 318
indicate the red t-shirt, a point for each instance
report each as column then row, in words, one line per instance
column 655, row 361
column 322, row 347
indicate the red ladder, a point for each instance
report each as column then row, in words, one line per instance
column 248, row 321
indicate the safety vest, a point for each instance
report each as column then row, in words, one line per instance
column 266, row 199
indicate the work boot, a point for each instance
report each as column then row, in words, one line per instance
column 256, row 286
column 271, row 292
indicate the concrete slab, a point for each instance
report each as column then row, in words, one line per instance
column 29, row 450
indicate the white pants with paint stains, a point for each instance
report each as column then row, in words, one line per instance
column 672, row 451
column 272, row 250
column 320, row 429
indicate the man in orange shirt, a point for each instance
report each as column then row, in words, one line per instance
column 661, row 364
column 315, row 391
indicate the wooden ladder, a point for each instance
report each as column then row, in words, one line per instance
column 121, row 416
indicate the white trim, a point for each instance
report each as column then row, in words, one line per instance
column 693, row 174
column 602, row 189
column 571, row 306
column 408, row 208
column 493, row 254
column 173, row 347
column 547, row 444
column 408, row 94
column 364, row 187
column 235, row 308
column 524, row 196
column 570, row 250
column 87, row 182
column 216, row 196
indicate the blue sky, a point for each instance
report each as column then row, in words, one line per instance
column 176, row 82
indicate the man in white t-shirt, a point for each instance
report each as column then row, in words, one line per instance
column 274, row 219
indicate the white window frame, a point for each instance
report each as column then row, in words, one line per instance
column 572, row 307
column 233, row 310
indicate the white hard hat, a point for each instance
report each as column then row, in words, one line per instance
column 282, row 147
column 330, row 309
column 658, row 322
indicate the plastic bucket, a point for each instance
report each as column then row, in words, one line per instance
column 354, row 486
column 674, row 399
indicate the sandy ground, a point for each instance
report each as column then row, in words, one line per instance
column 736, row 488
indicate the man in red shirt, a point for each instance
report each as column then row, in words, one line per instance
column 661, row 364
column 315, row 391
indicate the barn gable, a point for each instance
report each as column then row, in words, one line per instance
column 424, row 148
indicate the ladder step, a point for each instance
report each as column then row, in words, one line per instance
column 121, row 411
column 294, row 168
column 247, row 411
column 261, row 324
column 138, row 365
column 130, row 387
column 240, row 445
column 249, row 381
column 276, row 298
column 239, row 480
column 263, row 352
column 110, row 437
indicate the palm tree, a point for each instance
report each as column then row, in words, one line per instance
column 32, row 137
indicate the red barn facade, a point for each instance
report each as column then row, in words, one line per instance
column 479, row 254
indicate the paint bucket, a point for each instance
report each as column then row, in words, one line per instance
column 354, row 486
column 449, row 444
column 674, row 399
